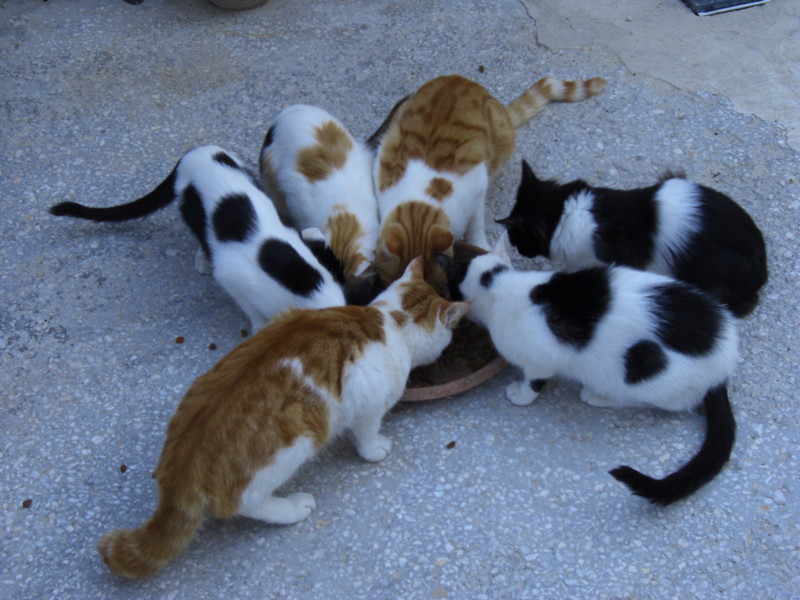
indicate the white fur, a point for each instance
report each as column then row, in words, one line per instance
column 464, row 207
column 678, row 219
column 521, row 335
column 371, row 386
column 349, row 189
column 235, row 264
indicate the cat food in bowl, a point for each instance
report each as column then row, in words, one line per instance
column 468, row 361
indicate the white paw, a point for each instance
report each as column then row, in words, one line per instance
column 376, row 450
column 593, row 399
column 520, row 393
column 304, row 504
column 201, row 263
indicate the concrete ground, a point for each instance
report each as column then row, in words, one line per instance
column 479, row 498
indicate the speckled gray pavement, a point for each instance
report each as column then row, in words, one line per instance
column 479, row 498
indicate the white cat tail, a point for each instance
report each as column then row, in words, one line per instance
column 547, row 90
column 155, row 200
column 144, row 551
column 715, row 452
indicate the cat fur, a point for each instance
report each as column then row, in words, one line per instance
column 322, row 177
column 435, row 155
column 632, row 338
column 677, row 228
column 263, row 264
column 272, row 403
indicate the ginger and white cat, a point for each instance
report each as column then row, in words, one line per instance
column 676, row 227
column 272, row 403
column 632, row 338
column 263, row 264
column 435, row 155
column 322, row 176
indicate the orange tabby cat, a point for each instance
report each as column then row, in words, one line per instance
column 245, row 427
column 435, row 155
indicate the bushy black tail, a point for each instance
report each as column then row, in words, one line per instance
column 158, row 198
column 716, row 449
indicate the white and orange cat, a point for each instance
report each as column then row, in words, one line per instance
column 322, row 177
column 436, row 152
column 272, row 403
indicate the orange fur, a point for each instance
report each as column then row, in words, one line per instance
column 345, row 232
column 439, row 188
column 234, row 419
column 318, row 161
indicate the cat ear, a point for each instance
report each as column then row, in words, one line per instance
column 441, row 239
column 501, row 248
column 416, row 268
column 393, row 244
column 365, row 269
column 527, row 172
column 453, row 313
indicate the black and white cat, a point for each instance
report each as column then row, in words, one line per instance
column 678, row 228
column 632, row 338
column 263, row 264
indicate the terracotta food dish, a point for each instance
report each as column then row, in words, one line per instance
column 468, row 361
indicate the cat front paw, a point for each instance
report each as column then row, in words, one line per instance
column 521, row 393
column 304, row 504
column 376, row 450
column 201, row 262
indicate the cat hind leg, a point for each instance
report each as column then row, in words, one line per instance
column 280, row 511
column 592, row 398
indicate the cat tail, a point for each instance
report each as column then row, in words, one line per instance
column 714, row 453
column 141, row 552
column 158, row 198
column 547, row 90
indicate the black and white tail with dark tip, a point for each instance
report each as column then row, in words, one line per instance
column 263, row 264
column 714, row 453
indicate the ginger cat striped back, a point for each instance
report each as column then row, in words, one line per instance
column 435, row 154
column 272, row 403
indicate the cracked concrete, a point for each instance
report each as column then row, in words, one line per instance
column 751, row 56
column 479, row 498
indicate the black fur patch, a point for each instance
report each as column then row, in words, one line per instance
column 224, row 158
column 574, row 303
column 194, row 215
column 727, row 257
column 688, row 320
column 234, row 218
column 269, row 137
column 537, row 385
column 282, row 262
column 488, row 277
column 627, row 221
column 456, row 271
column 644, row 360
column 327, row 258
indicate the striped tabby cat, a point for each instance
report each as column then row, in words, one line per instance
column 436, row 151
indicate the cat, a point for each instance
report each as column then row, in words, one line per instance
column 632, row 338
column 677, row 228
column 435, row 154
column 247, row 425
column 322, row 177
column 263, row 264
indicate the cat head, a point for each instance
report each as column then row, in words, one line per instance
column 413, row 229
column 425, row 319
column 536, row 213
column 468, row 280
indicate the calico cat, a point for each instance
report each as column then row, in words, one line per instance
column 632, row 338
column 263, row 264
column 678, row 228
column 322, row 177
column 247, row 425
column 435, row 154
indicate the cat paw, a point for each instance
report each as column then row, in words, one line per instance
column 304, row 504
column 593, row 399
column 520, row 393
column 201, row 263
column 376, row 450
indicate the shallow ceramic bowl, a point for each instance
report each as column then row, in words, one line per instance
column 238, row 4
column 441, row 382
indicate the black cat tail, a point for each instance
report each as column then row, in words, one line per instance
column 158, row 198
column 714, row 453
